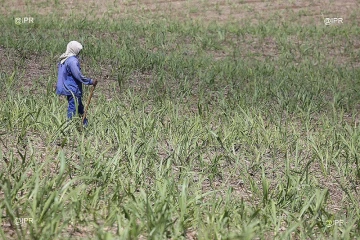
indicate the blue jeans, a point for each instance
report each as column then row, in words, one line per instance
column 72, row 107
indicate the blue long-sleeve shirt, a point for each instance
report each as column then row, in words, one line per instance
column 70, row 78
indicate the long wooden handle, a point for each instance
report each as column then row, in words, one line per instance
column 88, row 103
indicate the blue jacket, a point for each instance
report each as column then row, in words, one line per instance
column 70, row 78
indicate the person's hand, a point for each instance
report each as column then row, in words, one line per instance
column 95, row 82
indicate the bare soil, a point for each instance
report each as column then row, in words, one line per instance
column 307, row 11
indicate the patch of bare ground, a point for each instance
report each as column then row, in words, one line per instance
column 301, row 12
column 11, row 59
column 27, row 69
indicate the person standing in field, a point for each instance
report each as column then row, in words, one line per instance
column 70, row 80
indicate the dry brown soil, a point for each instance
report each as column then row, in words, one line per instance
column 307, row 11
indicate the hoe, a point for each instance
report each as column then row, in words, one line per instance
column 87, row 105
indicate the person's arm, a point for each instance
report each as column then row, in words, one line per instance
column 76, row 72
